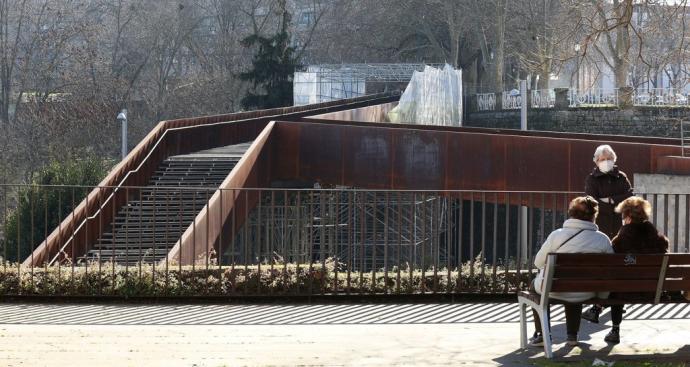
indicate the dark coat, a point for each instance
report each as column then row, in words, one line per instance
column 639, row 238
column 614, row 185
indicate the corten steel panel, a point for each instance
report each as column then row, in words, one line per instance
column 285, row 152
column 536, row 164
column 368, row 156
column 425, row 159
column 657, row 151
column 496, row 131
column 321, row 154
column 137, row 167
column 673, row 165
column 420, row 159
column 377, row 113
column 473, row 159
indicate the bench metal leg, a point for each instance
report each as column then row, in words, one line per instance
column 523, row 325
column 545, row 331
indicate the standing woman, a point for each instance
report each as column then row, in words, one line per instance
column 609, row 186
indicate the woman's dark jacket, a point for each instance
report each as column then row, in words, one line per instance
column 639, row 238
column 613, row 184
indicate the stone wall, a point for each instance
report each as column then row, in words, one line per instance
column 637, row 121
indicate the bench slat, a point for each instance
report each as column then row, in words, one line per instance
column 677, row 285
column 621, row 286
column 678, row 272
column 589, row 260
column 604, row 272
column 679, row 259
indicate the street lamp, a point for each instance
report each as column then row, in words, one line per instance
column 122, row 117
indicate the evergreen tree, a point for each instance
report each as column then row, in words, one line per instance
column 272, row 69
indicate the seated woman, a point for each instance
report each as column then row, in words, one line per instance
column 636, row 236
column 578, row 235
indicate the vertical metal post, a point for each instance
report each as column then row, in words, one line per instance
column 472, row 236
column 385, row 244
column 374, row 218
column 350, row 223
column 523, row 126
column 494, row 241
column 424, row 241
column 507, row 241
column 284, row 240
column 31, row 239
column 122, row 117
column 483, row 239
column 4, row 225
column 676, row 228
column 686, row 223
column 322, row 240
column 523, row 105
column 458, row 281
column 400, row 242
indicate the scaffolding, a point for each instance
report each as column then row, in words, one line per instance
column 329, row 82
column 364, row 230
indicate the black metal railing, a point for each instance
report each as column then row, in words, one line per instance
column 285, row 241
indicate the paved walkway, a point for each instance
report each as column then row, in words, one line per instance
column 315, row 335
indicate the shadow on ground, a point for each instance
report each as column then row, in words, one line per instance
column 590, row 349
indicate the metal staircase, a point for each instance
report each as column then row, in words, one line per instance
column 154, row 218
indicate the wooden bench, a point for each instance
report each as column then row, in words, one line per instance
column 662, row 275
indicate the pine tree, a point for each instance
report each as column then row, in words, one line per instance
column 272, row 69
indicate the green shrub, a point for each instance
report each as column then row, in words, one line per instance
column 281, row 279
column 41, row 205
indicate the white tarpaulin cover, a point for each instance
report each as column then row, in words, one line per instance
column 433, row 97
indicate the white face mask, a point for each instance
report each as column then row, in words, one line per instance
column 605, row 166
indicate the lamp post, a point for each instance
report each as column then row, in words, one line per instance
column 122, row 117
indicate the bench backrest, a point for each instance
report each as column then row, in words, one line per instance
column 620, row 273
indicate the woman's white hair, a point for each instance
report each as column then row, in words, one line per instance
column 604, row 149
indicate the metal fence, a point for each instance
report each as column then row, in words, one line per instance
column 660, row 97
column 543, row 98
column 301, row 242
column 486, row 101
column 594, row 97
column 591, row 97
column 511, row 100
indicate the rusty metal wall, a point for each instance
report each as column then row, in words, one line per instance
column 433, row 159
column 377, row 113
